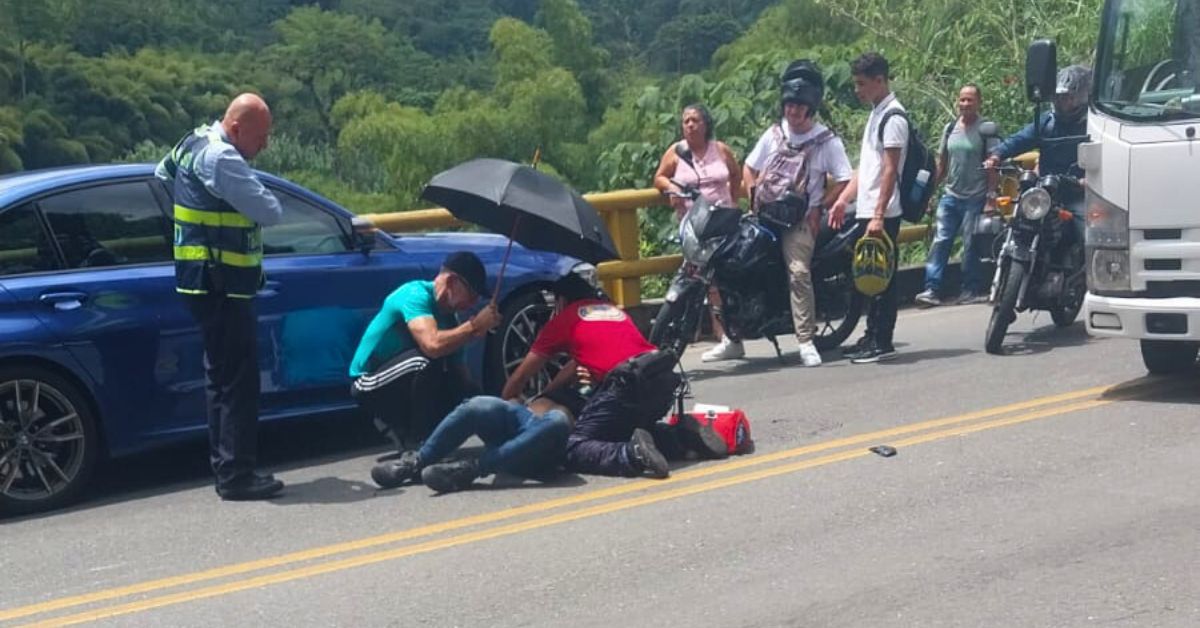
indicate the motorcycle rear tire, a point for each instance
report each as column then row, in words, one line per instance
column 1005, row 310
column 838, row 335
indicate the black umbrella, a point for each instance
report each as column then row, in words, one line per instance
column 530, row 207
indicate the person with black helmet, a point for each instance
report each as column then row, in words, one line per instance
column 408, row 369
column 787, row 174
column 1067, row 120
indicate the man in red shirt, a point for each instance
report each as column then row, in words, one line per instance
column 635, row 382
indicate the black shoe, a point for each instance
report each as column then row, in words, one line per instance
column 449, row 477
column 393, row 473
column 878, row 353
column 865, row 345
column 700, row 437
column 253, row 488
column 645, row 456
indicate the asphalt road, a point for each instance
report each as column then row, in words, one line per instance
column 1054, row 486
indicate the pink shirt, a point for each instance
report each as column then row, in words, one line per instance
column 710, row 174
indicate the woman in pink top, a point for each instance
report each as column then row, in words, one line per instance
column 709, row 166
column 712, row 167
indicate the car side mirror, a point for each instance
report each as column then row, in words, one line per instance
column 363, row 231
column 1041, row 69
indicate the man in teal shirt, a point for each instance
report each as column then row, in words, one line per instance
column 408, row 369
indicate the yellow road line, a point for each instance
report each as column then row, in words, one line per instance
column 523, row 526
column 534, row 508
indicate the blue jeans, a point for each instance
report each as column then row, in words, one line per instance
column 955, row 215
column 516, row 440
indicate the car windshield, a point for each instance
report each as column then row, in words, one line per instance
column 1148, row 62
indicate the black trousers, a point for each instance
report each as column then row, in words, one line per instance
column 409, row 395
column 626, row 400
column 881, row 315
column 230, row 331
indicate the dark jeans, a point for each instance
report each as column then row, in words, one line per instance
column 881, row 315
column 517, row 440
column 408, row 395
column 599, row 444
column 230, row 331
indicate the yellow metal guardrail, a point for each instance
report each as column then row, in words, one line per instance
column 619, row 209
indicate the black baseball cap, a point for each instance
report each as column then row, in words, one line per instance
column 467, row 265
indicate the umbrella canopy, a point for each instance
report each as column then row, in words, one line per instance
column 531, row 207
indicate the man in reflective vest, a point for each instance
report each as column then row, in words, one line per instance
column 220, row 206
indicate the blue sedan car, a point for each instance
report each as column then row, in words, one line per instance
column 99, row 358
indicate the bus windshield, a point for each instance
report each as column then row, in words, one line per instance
column 1148, row 60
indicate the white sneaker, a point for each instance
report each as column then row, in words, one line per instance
column 725, row 350
column 809, row 354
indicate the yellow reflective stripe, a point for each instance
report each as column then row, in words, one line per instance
column 211, row 218
column 187, row 291
column 194, row 253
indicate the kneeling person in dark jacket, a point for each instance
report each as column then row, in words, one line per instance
column 635, row 382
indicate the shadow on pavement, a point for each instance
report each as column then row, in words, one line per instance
column 912, row 357
column 327, row 490
column 283, row 446
column 742, row 368
column 1182, row 388
column 1044, row 339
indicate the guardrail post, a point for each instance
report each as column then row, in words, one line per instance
column 623, row 227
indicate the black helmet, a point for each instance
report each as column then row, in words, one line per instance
column 802, row 83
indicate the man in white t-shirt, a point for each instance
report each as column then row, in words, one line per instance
column 875, row 188
column 798, row 155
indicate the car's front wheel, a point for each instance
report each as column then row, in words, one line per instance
column 524, row 316
column 48, row 440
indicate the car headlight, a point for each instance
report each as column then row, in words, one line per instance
column 1107, row 224
column 1108, row 271
column 1035, row 204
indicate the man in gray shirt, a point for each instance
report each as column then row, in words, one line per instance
column 219, row 209
column 968, row 189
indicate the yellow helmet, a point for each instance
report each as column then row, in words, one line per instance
column 874, row 264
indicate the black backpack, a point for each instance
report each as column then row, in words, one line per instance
column 916, row 175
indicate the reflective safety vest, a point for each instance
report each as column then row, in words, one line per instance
column 217, row 249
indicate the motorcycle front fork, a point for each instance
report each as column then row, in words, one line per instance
column 998, row 277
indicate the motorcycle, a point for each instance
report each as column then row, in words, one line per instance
column 1041, row 263
column 743, row 256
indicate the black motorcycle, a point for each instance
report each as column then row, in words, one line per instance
column 743, row 256
column 1040, row 265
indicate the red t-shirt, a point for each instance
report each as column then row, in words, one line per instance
column 596, row 334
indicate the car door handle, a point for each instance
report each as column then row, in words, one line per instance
column 270, row 289
column 64, row 301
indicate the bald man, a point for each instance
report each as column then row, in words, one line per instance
column 220, row 207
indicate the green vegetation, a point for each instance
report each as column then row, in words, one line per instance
column 372, row 97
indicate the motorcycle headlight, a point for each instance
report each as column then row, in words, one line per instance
column 1035, row 204
column 689, row 243
column 1107, row 224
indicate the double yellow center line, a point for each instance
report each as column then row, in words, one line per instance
column 307, row 563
